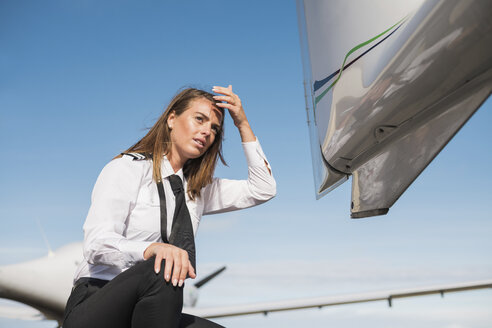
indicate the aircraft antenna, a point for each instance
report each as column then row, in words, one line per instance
column 50, row 251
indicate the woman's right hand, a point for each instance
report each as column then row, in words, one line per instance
column 175, row 257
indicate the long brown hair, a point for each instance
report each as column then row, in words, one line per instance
column 157, row 143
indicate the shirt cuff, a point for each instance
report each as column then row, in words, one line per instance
column 254, row 154
column 134, row 249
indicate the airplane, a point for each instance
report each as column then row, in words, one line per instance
column 387, row 85
column 21, row 283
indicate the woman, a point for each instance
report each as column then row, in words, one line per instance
column 146, row 206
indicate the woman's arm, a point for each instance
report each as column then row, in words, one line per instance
column 233, row 104
column 236, row 110
column 224, row 195
column 113, row 198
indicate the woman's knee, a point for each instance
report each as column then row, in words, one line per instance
column 145, row 268
column 149, row 267
column 156, row 282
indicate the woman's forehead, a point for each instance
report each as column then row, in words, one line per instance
column 207, row 108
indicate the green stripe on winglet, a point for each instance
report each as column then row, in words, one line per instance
column 318, row 98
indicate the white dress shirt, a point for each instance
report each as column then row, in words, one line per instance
column 124, row 217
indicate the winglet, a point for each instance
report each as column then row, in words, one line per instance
column 209, row 277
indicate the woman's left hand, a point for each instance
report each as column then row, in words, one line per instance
column 233, row 104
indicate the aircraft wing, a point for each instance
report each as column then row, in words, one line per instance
column 28, row 313
column 320, row 302
column 387, row 87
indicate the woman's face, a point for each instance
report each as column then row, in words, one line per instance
column 194, row 130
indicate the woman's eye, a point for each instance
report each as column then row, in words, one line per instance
column 199, row 119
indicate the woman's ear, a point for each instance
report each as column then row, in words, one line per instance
column 170, row 120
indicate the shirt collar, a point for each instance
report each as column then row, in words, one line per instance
column 167, row 169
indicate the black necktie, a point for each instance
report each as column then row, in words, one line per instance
column 182, row 229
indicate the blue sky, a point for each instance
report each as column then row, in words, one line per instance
column 81, row 81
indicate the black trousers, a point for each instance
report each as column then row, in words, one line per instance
column 136, row 298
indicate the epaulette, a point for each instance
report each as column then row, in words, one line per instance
column 138, row 156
